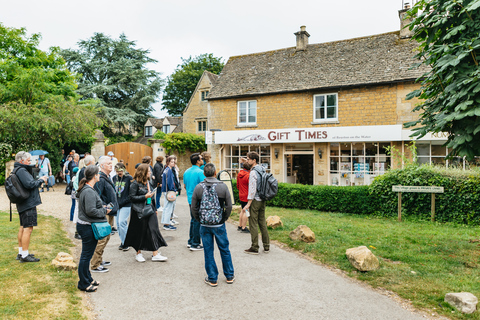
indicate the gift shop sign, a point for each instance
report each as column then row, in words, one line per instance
column 306, row 135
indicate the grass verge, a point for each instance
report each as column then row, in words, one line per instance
column 37, row 290
column 420, row 261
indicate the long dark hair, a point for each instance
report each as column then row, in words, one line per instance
column 141, row 173
column 90, row 172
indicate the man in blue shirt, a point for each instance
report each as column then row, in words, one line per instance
column 191, row 178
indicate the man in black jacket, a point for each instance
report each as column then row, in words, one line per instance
column 157, row 172
column 106, row 190
column 27, row 209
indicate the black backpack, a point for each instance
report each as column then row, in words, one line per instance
column 267, row 185
column 16, row 192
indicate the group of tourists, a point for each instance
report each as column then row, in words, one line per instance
column 102, row 190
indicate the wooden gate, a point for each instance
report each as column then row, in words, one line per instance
column 130, row 152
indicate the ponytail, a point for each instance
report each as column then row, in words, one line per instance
column 81, row 184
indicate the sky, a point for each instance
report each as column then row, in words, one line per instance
column 175, row 29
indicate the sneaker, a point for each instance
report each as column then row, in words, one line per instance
column 19, row 256
column 29, row 258
column 173, row 222
column 114, row 229
column 100, row 269
column 266, row 250
column 239, row 228
column 41, row 190
column 251, row 251
column 124, row 248
column 160, row 208
column 245, row 230
column 196, row 248
column 77, row 236
column 139, row 257
column 174, row 216
column 106, row 263
column 210, row 283
column 189, row 245
column 159, row 257
column 169, row 228
column 230, row 280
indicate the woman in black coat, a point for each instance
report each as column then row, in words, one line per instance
column 143, row 234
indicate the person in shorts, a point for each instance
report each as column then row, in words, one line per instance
column 27, row 209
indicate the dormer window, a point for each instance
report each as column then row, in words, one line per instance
column 148, row 131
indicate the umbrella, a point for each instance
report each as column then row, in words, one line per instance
column 38, row 152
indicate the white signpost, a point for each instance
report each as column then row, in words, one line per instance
column 419, row 189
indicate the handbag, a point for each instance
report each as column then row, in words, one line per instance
column 101, row 229
column 69, row 188
column 171, row 195
column 147, row 209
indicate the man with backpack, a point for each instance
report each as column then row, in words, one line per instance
column 256, row 206
column 211, row 206
column 27, row 208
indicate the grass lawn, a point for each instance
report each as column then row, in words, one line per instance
column 37, row 290
column 419, row 260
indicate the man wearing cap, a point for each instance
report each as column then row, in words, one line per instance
column 114, row 163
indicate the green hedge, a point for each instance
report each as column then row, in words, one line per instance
column 460, row 203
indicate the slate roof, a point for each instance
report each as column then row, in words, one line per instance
column 383, row 58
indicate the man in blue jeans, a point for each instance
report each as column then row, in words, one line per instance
column 211, row 206
column 191, row 178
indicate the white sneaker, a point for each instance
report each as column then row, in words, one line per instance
column 173, row 222
column 139, row 257
column 158, row 257
column 160, row 208
column 174, row 216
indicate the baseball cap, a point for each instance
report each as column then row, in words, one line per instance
column 110, row 153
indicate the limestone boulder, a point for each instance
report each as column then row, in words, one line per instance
column 274, row 222
column 302, row 233
column 362, row 258
column 465, row 302
column 64, row 261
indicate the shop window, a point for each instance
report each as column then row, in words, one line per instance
column 433, row 152
column 247, row 113
column 325, row 107
column 148, row 131
column 202, row 126
column 233, row 153
column 357, row 163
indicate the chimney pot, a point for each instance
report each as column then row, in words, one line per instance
column 302, row 39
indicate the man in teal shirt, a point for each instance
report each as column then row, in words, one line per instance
column 191, row 178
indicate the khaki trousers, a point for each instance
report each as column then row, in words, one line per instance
column 257, row 221
column 98, row 255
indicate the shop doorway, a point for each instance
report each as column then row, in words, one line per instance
column 300, row 168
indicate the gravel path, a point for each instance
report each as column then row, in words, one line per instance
column 279, row 285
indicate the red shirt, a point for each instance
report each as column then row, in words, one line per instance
column 242, row 184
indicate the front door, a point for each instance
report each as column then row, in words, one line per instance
column 300, row 168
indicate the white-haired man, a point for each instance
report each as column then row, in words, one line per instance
column 27, row 209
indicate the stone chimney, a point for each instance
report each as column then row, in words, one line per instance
column 302, row 39
column 404, row 31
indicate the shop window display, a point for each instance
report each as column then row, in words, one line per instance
column 233, row 153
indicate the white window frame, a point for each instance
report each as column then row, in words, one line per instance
column 247, row 123
column 315, row 120
column 166, row 128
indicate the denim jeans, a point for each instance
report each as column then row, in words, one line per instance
column 194, row 234
column 72, row 209
column 89, row 243
column 122, row 222
column 168, row 207
column 157, row 197
column 68, row 178
column 220, row 235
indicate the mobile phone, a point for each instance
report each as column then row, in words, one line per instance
column 153, row 190
column 110, row 205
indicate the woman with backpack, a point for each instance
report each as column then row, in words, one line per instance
column 143, row 232
column 169, row 187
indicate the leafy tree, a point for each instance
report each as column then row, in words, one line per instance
column 182, row 82
column 116, row 73
column 449, row 35
column 39, row 108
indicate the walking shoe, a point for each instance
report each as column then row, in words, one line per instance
column 114, row 229
column 100, row 269
column 41, row 190
column 189, row 245
column 106, row 263
column 196, row 248
column 159, row 257
column 160, row 208
column 19, row 256
column 245, row 230
column 77, row 236
column 124, row 248
column 173, row 222
column 239, row 228
column 266, row 250
column 210, row 283
column 174, row 216
column 29, row 258
column 251, row 251
column 230, row 280
column 169, row 228
column 139, row 257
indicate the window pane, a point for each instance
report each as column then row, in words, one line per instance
column 251, row 119
column 199, row 126
column 322, row 113
column 242, row 111
column 370, row 149
column 331, row 112
column 357, row 148
column 318, row 114
column 252, row 111
column 438, row 150
column 423, row 149
column 331, row 100
column 320, row 101
column 334, row 149
column 334, row 163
